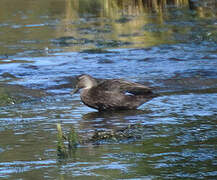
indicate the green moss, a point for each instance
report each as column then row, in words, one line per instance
column 5, row 98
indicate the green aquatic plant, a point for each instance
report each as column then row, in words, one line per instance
column 71, row 139
column 5, row 96
column 61, row 150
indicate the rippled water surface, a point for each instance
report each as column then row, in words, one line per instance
column 171, row 47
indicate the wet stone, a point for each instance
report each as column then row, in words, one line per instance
column 8, row 75
column 13, row 94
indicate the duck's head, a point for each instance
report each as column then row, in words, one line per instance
column 84, row 82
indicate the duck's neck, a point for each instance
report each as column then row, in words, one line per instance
column 90, row 83
column 84, row 93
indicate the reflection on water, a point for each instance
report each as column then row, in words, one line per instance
column 178, row 141
column 71, row 25
column 169, row 45
column 110, row 120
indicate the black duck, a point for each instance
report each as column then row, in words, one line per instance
column 112, row 94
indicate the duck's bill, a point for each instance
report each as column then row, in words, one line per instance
column 75, row 91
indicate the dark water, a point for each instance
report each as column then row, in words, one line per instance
column 171, row 47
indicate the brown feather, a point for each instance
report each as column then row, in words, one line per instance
column 112, row 94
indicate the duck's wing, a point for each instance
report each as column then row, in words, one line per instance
column 123, row 86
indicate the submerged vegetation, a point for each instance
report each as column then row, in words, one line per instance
column 132, row 23
column 14, row 94
column 71, row 138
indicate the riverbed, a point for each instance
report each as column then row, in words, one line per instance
column 171, row 47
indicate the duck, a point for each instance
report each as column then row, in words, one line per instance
column 112, row 94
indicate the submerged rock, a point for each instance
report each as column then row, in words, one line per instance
column 126, row 134
column 13, row 94
column 8, row 75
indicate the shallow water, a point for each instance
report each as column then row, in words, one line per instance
column 171, row 47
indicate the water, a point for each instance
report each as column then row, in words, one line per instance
column 171, row 47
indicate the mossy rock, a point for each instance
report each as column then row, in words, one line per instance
column 13, row 94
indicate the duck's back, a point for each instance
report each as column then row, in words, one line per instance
column 123, row 86
column 112, row 95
